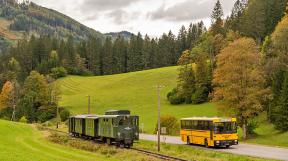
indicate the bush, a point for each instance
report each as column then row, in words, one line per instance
column 173, row 97
column 252, row 125
column 23, row 119
column 200, row 95
column 64, row 115
column 171, row 124
column 46, row 113
column 6, row 113
column 58, row 72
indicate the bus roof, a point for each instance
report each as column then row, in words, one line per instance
column 215, row 119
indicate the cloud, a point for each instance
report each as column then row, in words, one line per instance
column 103, row 5
column 188, row 10
column 121, row 16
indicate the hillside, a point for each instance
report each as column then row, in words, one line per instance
column 125, row 34
column 134, row 91
column 30, row 18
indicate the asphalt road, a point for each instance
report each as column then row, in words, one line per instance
column 242, row 149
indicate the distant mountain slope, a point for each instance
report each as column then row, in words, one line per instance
column 125, row 34
column 30, row 18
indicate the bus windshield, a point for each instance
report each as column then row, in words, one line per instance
column 225, row 127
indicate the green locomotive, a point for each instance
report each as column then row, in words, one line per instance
column 116, row 126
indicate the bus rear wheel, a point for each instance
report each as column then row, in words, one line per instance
column 206, row 143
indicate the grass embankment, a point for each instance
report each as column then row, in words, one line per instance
column 136, row 91
column 180, row 151
column 133, row 91
column 266, row 134
column 23, row 142
column 186, row 152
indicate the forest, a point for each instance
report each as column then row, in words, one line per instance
column 239, row 63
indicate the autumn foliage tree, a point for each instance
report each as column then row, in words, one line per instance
column 239, row 81
column 6, row 95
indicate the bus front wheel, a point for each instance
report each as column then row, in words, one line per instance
column 188, row 140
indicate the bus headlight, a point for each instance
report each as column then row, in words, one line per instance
column 118, row 134
column 217, row 142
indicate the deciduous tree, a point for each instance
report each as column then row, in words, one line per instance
column 239, row 81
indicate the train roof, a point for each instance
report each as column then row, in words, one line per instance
column 117, row 112
column 216, row 119
column 98, row 116
column 87, row 116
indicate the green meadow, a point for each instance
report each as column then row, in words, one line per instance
column 22, row 142
column 137, row 92
column 133, row 91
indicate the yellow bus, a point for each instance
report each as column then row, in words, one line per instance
column 211, row 132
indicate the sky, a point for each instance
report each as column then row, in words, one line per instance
column 152, row 17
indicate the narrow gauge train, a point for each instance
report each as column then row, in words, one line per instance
column 116, row 126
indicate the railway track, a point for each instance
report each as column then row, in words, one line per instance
column 157, row 155
column 145, row 152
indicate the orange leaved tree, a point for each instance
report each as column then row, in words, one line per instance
column 239, row 83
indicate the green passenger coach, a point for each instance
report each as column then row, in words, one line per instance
column 116, row 126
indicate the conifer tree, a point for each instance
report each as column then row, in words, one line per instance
column 281, row 111
column 217, row 20
column 186, row 78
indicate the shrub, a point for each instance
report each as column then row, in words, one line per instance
column 58, row 72
column 23, row 119
column 6, row 113
column 171, row 124
column 252, row 125
column 173, row 97
column 46, row 113
column 200, row 95
column 64, row 115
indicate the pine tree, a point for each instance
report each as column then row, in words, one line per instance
column 234, row 21
column 186, row 78
column 281, row 119
column 182, row 40
column 217, row 20
column 107, row 57
column 261, row 17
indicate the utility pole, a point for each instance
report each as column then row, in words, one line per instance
column 159, row 108
column 57, row 117
column 13, row 114
column 89, row 112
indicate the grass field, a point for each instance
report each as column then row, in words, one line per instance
column 136, row 92
column 133, row 91
column 22, row 142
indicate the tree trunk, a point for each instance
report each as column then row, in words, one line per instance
column 244, row 128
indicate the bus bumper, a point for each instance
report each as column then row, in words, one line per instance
column 225, row 142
